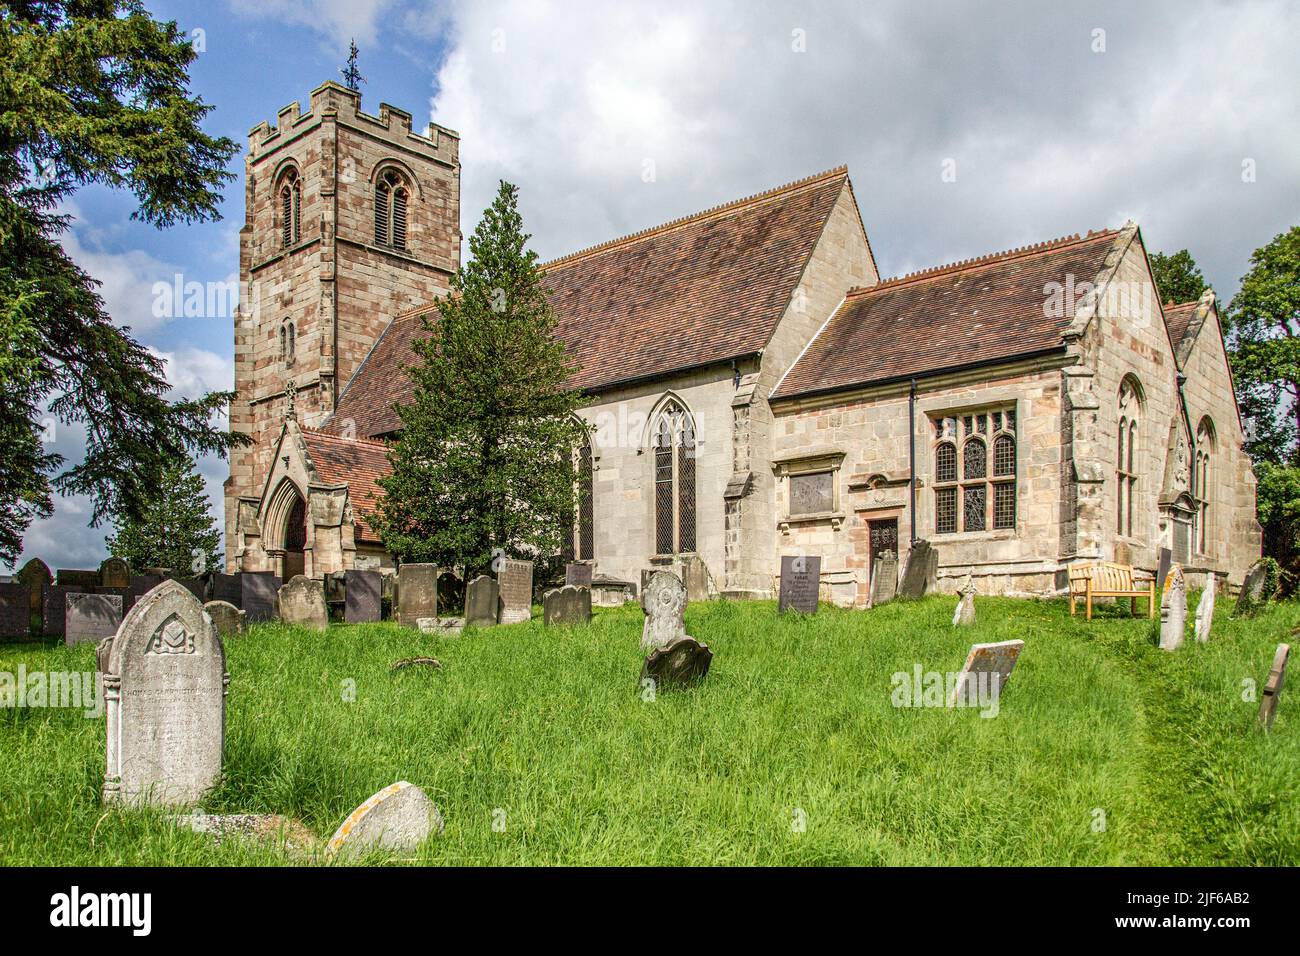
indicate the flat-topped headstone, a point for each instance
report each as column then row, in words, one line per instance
column 1252, row 594
column 515, row 581
column 363, row 592
column 417, row 593
column 54, row 612
column 87, row 580
column 258, row 595
column 115, row 573
column 566, row 605
column 964, row 616
column 15, row 611
column 228, row 619
column 165, row 686
column 481, row 602
column 578, row 575
column 664, row 604
column 680, row 663
column 986, row 672
column 302, row 602
column 884, row 578
column 1205, row 608
column 695, row 578
column 801, row 578
column 91, row 617
column 397, row 819
column 227, row 587
column 1173, row 610
column 922, row 571
column 1273, row 686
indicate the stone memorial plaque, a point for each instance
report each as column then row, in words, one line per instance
column 397, row 819
column 363, row 590
column 54, row 613
column 417, row 593
column 515, row 581
column 228, row 619
column 1273, row 686
column 922, row 572
column 995, row 662
column 566, row 605
column 578, row 575
column 91, row 617
column 482, row 599
column 801, row 578
column 664, row 604
column 227, row 587
column 1173, row 610
column 258, row 595
column 1205, row 608
column 302, row 602
column 165, row 686
column 15, row 611
column 115, row 573
column 680, row 663
column 884, row 578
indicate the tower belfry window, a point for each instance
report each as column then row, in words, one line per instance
column 290, row 209
column 391, row 198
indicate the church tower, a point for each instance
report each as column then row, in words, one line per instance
column 349, row 219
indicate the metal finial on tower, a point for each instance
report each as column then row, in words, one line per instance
column 351, row 75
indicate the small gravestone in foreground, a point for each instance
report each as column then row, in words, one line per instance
column 302, row 602
column 1173, row 610
column 91, row 617
column 165, row 685
column 482, row 597
column 964, row 616
column 515, row 583
column 228, row 619
column 664, row 604
column 1273, row 686
column 884, row 578
column 397, row 819
column 996, row 661
column 682, row 662
column 363, row 596
column 578, row 575
column 566, row 605
column 922, row 571
column 1256, row 589
column 801, row 577
column 417, row 593
column 1205, row 608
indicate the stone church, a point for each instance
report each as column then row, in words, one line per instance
column 754, row 388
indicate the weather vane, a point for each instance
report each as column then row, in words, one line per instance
column 351, row 75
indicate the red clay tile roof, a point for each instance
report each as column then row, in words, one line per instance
column 703, row 289
column 947, row 317
column 355, row 463
column 1177, row 318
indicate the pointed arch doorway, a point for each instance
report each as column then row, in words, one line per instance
column 295, row 540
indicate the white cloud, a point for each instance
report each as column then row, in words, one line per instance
column 339, row 20
column 127, row 279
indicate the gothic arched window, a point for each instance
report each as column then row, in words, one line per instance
column 1126, row 468
column 975, row 496
column 287, row 343
column 1204, row 451
column 391, row 197
column 674, row 474
column 582, row 544
column 290, row 208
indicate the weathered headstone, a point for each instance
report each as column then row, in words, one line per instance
column 227, row 587
column 515, row 581
column 228, row 619
column 682, row 662
column 114, row 573
column 695, row 578
column 884, row 578
column 165, row 686
column 646, row 575
column 196, row 586
column 1205, row 608
column 54, row 612
column 36, row 577
column 77, row 579
column 578, row 575
column 994, row 660
column 397, row 819
column 15, row 611
column 142, row 584
column 440, row 626
column 302, row 602
column 1173, row 610
column 1162, row 569
column 417, row 593
column 258, row 595
column 566, row 605
column 363, row 594
column 664, row 604
column 922, row 571
column 91, row 617
column 801, row 577
column 451, row 592
column 481, row 602
column 964, row 616
column 1273, row 686
column 1252, row 590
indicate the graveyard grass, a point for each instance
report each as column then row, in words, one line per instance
column 544, row 731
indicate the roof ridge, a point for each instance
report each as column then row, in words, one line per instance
column 324, row 434
column 710, row 212
column 1006, row 255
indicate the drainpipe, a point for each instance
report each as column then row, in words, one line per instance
column 911, row 461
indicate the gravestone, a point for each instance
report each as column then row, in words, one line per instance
column 695, row 578
column 801, row 578
column 578, row 575
column 86, row 580
column 680, row 663
column 995, row 660
column 884, row 578
column 1162, row 569
column 566, row 605
column 15, row 611
column 36, row 577
column 227, row 587
column 397, row 819
column 1173, row 610
column 228, row 619
column 515, row 583
column 646, row 575
column 1205, row 608
column 142, row 584
column 54, row 612
column 481, row 602
column 91, row 617
column 363, row 596
column 1252, row 590
column 417, row 593
column 1273, row 686
column 922, row 571
column 664, row 604
column 115, row 573
column 451, row 592
column 126, row 594
column 196, row 586
column 258, row 591
column 610, row 592
column 964, row 616
column 302, row 602
column 165, row 686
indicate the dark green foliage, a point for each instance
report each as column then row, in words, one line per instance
column 1278, row 503
column 174, row 530
column 1178, row 279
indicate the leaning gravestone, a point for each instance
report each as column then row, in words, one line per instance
column 228, row 619
column 578, row 575
column 302, row 602
column 1273, row 686
column 922, row 571
column 964, row 616
column 481, row 599
column 362, row 593
column 397, row 819
column 566, row 605
column 1252, row 590
column 258, row 590
column 417, row 593
column 114, row 573
column 664, row 604
column 1205, row 608
column 1173, row 610
column 989, row 665
column 801, row 577
column 54, row 612
column 884, row 578
column 682, row 662
column 165, row 687
column 515, row 581
column 15, row 611
column 91, row 617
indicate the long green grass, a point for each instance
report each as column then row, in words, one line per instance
column 539, row 748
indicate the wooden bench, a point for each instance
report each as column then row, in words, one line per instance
column 1105, row 579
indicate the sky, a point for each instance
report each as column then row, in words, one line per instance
column 967, row 128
